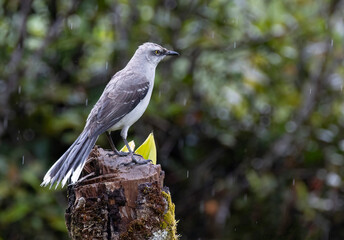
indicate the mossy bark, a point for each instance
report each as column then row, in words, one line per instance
column 113, row 201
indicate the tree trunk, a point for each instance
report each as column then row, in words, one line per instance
column 113, row 201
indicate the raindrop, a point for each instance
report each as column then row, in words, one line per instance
column 187, row 173
column 159, row 94
column 86, row 102
column 245, row 197
column 234, row 229
column 18, row 135
column 23, row 159
column 293, row 181
column 19, row 89
column 331, row 42
column 71, row 25
column 234, row 45
column 184, row 101
column 106, row 65
column 212, row 34
column 310, row 91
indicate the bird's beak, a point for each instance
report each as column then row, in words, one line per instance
column 172, row 53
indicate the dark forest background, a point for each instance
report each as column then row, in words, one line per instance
column 248, row 121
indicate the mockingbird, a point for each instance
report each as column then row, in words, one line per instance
column 124, row 100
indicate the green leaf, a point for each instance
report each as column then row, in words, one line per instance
column 148, row 149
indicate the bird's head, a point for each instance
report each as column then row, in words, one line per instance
column 154, row 53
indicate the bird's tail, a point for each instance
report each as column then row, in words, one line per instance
column 71, row 162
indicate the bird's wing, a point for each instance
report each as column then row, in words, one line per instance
column 122, row 94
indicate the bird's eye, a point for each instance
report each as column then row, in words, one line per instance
column 157, row 52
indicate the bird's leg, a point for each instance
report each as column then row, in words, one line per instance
column 133, row 158
column 124, row 133
column 114, row 149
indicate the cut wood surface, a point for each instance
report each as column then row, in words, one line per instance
column 113, row 201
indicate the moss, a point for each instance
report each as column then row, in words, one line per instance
column 170, row 223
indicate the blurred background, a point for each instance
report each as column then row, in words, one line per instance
column 248, row 121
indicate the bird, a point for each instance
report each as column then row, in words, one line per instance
column 123, row 101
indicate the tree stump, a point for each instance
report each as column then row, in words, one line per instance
column 113, row 201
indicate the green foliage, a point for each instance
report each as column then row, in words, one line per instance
column 248, row 121
column 148, row 149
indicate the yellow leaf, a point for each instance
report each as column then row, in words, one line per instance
column 131, row 145
column 148, row 149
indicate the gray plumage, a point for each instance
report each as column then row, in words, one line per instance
column 124, row 100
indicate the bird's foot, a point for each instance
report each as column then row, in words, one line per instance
column 121, row 154
column 134, row 161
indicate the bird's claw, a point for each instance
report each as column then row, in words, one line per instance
column 121, row 154
column 138, row 162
